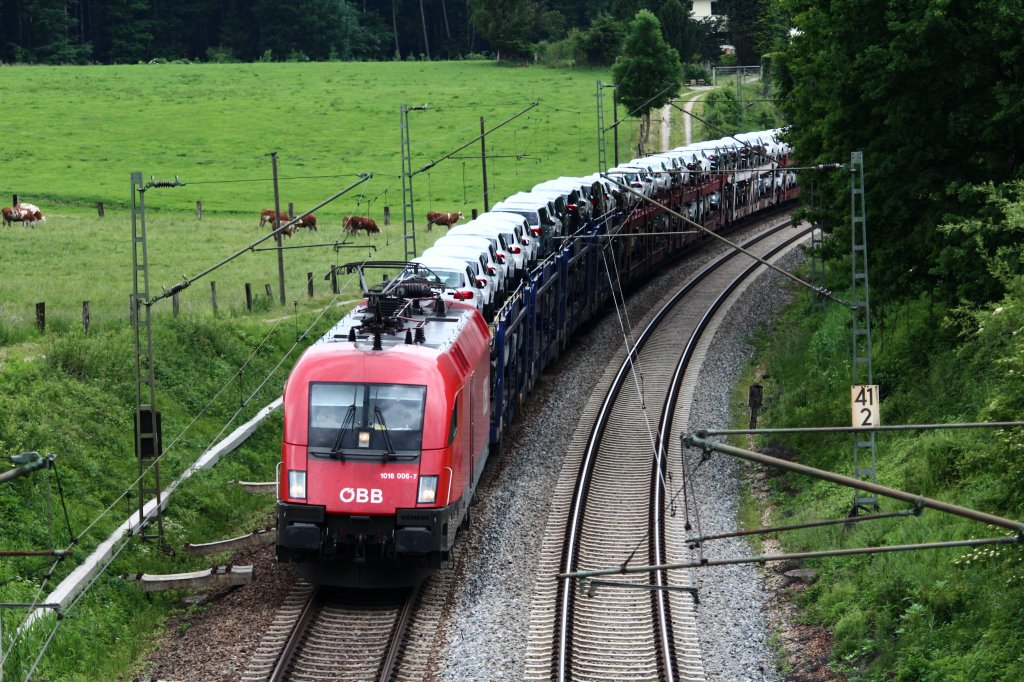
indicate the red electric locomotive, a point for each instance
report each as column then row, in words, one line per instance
column 385, row 435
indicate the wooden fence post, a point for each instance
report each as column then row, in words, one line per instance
column 270, row 292
column 85, row 316
column 334, row 281
column 213, row 296
column 41, row 316
column 199, row 210
column 309, row 284
column 248, row 296
column 99, row 209
column 175, row 304
column 291, row 210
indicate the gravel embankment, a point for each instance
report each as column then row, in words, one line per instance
column 485, row 634
column 488, row 631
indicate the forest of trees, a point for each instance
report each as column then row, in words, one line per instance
column 933, row 94
column 130, row 31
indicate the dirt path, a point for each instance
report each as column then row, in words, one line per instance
column 666, row 120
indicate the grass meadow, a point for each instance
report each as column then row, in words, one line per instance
column 73, row 140
column 78, row 133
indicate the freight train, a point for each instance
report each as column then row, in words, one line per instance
column 390, row 418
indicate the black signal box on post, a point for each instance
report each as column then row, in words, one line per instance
column 148, row 426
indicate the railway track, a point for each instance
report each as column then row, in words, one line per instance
column 327, row 634
column 640, row 626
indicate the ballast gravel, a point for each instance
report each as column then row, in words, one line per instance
column 485, row 627
column 488, row 623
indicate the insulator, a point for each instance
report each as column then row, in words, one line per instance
column 439, row 307
column 421, row 336
column 408, row 337
column 352, row 334
column 376, row 341
column 414, row 291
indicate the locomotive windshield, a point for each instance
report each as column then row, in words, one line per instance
column 366, row 419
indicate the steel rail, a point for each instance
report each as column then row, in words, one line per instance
column 295, row 638
column 565, row 593
column 398, row 634
column 659, row 578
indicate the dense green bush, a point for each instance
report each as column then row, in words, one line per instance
column 932, row 615
column 74, row 396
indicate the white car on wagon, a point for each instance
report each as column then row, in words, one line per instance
column 502, row 251
column 460, row 283
column 483, row 246
column 477, row 263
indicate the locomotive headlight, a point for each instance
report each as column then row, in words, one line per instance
column 297, row 484
column 428, row 490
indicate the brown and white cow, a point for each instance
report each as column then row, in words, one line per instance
column 307, row 221
column 446, row 219
column 353, row 223
column 267, row 216
column 22, row 213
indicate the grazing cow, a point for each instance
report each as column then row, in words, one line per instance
column 446, row 219
column 308, row 221
column 11, row 215
column 23, row 213
column 353, row 223
column 267, row 216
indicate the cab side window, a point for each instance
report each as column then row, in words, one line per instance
column 453, row 427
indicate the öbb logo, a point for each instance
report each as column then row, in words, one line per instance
column 362, row 495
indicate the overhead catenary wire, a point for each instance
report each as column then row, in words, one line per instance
column 130, row 490
column 818, row 290
column 632, row 358
column 188, row 281
column 291, row 177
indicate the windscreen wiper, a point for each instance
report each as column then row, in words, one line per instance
column 350, row 416
column 389, row 454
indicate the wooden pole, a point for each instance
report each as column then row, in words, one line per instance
column 334, row 281
column 213, row 296
column 175, row 304
column 270, row 292
column 41, row 316
column 85, row 316
column 309, row 284
column 483, row 164
column 277, row 225
column 248, row 296
column 99, row 209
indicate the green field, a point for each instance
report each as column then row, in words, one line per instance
column 75, row 142
column 82, row 131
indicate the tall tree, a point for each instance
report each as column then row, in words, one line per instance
column 742, row 26
column 318, row 29
column 506, row 24
column 600, row 44
column 648, row 72
column 933, row 93
column 678, row 27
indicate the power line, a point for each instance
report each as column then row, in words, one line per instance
column 293, row 177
